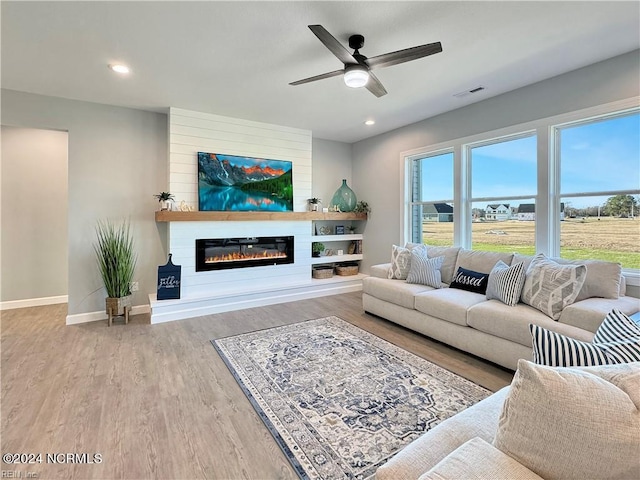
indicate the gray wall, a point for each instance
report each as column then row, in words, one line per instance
column 117, row 162
column 34, row 214
column 331, row 163
column 376, row 161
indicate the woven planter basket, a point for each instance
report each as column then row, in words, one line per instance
column 347, row 270
column 326, row 272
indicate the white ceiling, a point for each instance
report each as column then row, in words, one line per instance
column 237, row 58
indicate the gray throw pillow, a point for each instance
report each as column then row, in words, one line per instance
column 550, row 287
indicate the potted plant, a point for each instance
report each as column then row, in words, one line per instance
column 316, row 249
column 165, row 199
column 116, row 263
column 362, row 207
column 314, row 204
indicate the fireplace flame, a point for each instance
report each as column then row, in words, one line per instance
column 239, row 256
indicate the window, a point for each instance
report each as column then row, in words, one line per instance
column 564, row 186
column 432, row 187
column 503, row 189
column 599, row 189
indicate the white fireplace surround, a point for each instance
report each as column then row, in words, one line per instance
column 204, row 293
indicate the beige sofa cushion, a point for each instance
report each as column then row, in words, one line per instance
column 588, row 314
column 480, row 420
column 512, row 323
column 480, row 261
column 573, row 423
column 398, row 292
column 450, row 304
column 603, row 278
column 526, row 259
column 478, row 459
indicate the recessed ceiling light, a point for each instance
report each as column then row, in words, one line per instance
column 370, row 122
column 119, row 68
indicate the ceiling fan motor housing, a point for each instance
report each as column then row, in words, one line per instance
column 356, row 42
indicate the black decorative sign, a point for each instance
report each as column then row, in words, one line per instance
column 169, row 281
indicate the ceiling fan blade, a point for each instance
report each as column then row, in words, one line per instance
column 374, row 86
column 335, row 73
column 332, row 44
column 406, row 55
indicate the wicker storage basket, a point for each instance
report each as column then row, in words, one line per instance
column 322, row 272
column 345, row 270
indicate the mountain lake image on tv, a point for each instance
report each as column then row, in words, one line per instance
column 233, row 183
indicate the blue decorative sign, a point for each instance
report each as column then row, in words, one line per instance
column 169, row 281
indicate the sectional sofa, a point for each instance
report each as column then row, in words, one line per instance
column 491, row 329
column 524, row 432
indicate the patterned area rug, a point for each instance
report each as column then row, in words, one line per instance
column 338, row 400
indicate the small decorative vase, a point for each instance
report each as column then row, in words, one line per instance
column 165, row 205
column 344, row 200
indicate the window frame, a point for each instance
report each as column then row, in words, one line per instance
column 548, row 196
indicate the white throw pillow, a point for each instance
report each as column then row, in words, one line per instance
column 425, row 271
column 505, row 283
column 573, row 423
column 550, row 287
column 400, row 262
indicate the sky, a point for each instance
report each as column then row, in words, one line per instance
column 600, row 156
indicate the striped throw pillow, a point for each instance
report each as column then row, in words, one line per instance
column 425, row 271
column 619, row 337
column 506, row 282
column 617, row 340
column 556, row 350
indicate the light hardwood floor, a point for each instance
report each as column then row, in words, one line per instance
column 156, row 401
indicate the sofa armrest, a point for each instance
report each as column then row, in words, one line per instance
column 380, row 271
column 480, row 420
column 478, row 459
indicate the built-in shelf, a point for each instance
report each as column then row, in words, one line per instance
column 179, row 216
column 337, row 238
column 338, row 279
column 336, row 258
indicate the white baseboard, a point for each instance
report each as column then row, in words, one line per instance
column 170, row 310
column 102, row 316
column 33, row 302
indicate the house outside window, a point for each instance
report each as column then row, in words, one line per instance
column 503, row 166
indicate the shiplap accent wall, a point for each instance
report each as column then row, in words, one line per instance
column 192, row 132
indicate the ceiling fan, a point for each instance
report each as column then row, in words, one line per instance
column 357, row 67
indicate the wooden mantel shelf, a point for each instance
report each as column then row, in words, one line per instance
column 179, row 216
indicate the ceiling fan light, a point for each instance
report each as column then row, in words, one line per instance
column 356, row 76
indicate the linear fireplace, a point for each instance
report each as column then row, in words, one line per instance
column 225, row 253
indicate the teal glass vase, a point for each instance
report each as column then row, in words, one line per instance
column 344, row 200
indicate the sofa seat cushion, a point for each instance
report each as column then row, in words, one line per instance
column 450, row 304
column 512, row 323
column 398, row 292
column 588, row 314
column 478, row 459
column 480, row 420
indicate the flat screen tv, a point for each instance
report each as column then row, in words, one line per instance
column 233, row 183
